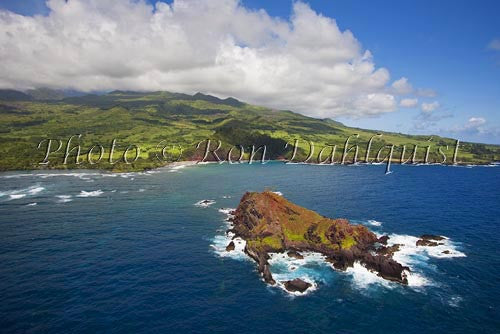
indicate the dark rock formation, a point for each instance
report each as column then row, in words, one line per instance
column 295, row 254
column 429, row 240
column 297, row 285
column 388, row 250
column 432, row 237
column 383, row 239
column 230, row 247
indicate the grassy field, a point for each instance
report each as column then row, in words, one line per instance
column 173, row 124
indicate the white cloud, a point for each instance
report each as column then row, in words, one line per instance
column 475, row 129
column 402, row 86
column 475, row 122
column 476, row 125
column 429, row 107
column 306, row 64
column 426, row 92
column 408, row 103
column 494, row 44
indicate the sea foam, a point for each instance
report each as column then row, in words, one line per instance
column 220, row 242
column 64, row 198
column 21, row 193
column 373, row 222
column 94, row 193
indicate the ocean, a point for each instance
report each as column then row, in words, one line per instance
column 84, row 251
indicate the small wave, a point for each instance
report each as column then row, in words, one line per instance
column 373, row 222
column 47, row 175
column 177, row 166
column 20, row 193
column 17, row 196
column 455, row 301
column 36, row 190
column 32, row 204
column 176, row 169
column 94, row 193
column 64, row 198
column 227, row 211
column 204, row 203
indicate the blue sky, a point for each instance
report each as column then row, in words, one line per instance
column 442, row 45
column 445, row 46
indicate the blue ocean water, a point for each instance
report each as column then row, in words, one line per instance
column 108, row 253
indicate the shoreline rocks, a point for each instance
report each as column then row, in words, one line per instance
column 295, row 255
column 230, row 246
column 430, row 240
column 297, row 285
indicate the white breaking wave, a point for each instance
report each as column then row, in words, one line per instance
column 220, row 242
column 17, row 196
column 227, row 211
column 177, row 166
column 204, row 203
column 21, row 193
column 32, row 204
column 364, row 278
column 374, row 222
column 415, row 257
column 175, row 169
column 64, row 198
column 35, row 190
column 410, row 254
column 94, row 193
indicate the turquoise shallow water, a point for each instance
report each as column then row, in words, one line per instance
column 132, row 253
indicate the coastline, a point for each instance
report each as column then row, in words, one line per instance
column 176, row 165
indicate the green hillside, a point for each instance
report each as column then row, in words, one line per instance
column 181, row 121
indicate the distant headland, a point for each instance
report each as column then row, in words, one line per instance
column 134, row 131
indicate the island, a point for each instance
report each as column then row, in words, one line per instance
column 269, row 223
